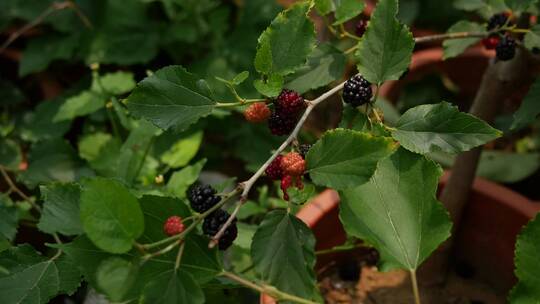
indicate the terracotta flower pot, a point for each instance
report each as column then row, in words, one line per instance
column 485, row 240
column 464, row 71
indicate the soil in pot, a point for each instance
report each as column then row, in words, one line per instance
column 357, row 280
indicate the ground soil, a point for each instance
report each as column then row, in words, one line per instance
column 340, row 284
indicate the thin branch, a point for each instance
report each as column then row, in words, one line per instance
column 269, row 290
column 458, row 35
column 16, row 189
column 247, row 185
column 54, row 7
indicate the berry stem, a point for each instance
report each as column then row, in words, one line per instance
column 340, row 249
column 345, row 33
column 239, row 103
column 179, row 256
column 414, row 282
column 270, row 290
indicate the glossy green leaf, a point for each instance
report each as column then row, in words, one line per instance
column 111, row 215
column 115, row 276
column 348, row 9
column 32, row 278
column 529, row 109
column 325, row 65
column 173, row 287
column 283, row 254
column 397, row 211
column 181, row 180
column 441, row 126
column 527, row 267
column 385, row 50
column 183, row 150
column 285, row 45
column 171, row 97
column 345, row 158
column 454, row 47
column 60, row 209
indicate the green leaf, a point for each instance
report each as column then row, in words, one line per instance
column 532, row 38
column 39, row 125
column 353, row 119
column 348, row 9
column 270, row 87
column 240, row 78
column 173, row 287
column 115, row 276
column 61, row 209
column 114, row 83
column 87, row 255
column 441, row 126
column 70, row 276
column 8, row 218
column 182, row 151
column 10, row 154
column 345, row 158
column 283, row 254
column 171, row 97
column 202, row 263
column 529, row 109
column 454, row 47
column 284, row 46
column 181, row 180
column 102, row 152
column 156, row 210
column 31, row 278
column 87, row 102
column 385, row 50
column 110, row 215
column 43, row 50
column 132, row 152
column 325, row 64
column 520, row 5
column 53, row 160
column 526, row 263
column 324, row 7
column 397, row 211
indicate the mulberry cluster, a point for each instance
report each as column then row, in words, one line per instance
column 498, row 20
column 202, row 198
column 506, row 49
column 257, row 112
column 357, row 91
column 213, row 223
column 287, row 108
column 289, row 169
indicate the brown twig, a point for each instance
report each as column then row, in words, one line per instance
column 459, row 35
column 16, row 189
column 54, row 7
